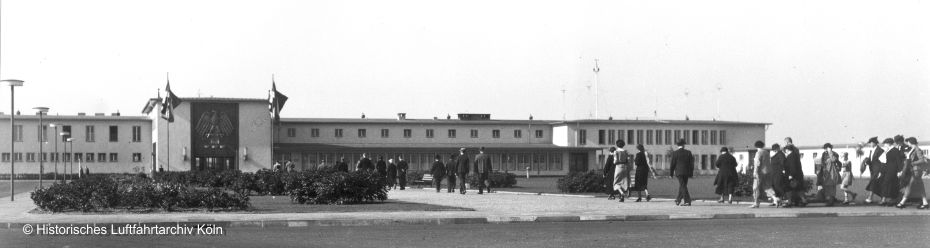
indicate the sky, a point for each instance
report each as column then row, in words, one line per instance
column 820, row 71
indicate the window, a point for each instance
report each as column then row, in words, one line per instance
column 18, row 133
column 687, row 136
column 385, row 133
column 114, row 134
column 66, row 157
column 44, row 157
column 704, row 162
column 291, row 132
column 408, row 133
column 611, row 135
column 5, row 157
column 703, row 137
column 713, row 137
column 555, row 161
column 430, row 133
column 451, row 133
column 695, row 137
column 677, row 135
column 496, row 133
column 43, row 133
column 723, row 137
column 668, row 137
column 649, row 137
column 473, row 133
column 362, row 133
column 713, row 160
column 518, row 134
column 601, row 136
column 67, row 130
column 582, row 137
column 629, row 137
column 78, row 157
column 101, row 157
column 639, row 136
column 337, row 132
column 658, row 137
column 55, row 157
column 89, row 133
column 89, row 157
column 18, row 157
column 315, row 132
column 136, row 133
column 539, row 134
column 113, row 157
column 30, row 157
column 137, row 157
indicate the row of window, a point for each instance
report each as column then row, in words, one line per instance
column 660, row 161
column 89, row 133
column 537, row 161
column 408, row 133
column 67, row 157
column 656, row 137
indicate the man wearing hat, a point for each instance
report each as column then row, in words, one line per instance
column 439, row 171
column 451, row 170
column 682, row 166
column 462, row 165
column 874, row 166
column 483, row 170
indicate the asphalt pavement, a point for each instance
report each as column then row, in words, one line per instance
column 899, row 231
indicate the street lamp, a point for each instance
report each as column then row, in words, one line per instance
column 58, row 157
column 12, row 83
column 70, row 160
column 42, row 138
column 56, row 149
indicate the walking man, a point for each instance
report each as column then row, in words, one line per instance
column 451, row 169
column 364, row 164
column 439, row 171
column 391, row 174
column 762, row 175
column 462, row 170
column 483, row 170
column 682, row 166
column 402, row 172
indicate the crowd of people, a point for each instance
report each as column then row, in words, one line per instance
column 896, row 167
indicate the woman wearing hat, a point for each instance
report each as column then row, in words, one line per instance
column 828, row 176
column 846, row 172
column 609, row 169
column 916, row 165
column 727, row 179
column 892, row 161
column 641, row 178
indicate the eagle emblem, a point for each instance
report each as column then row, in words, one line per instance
column 213, row 126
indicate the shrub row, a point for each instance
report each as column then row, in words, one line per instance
column 582, row 182
column 95, row 193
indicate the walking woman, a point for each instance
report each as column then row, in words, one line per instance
column 643, row 166
column 609, row 169
column 622, row 172
column 893, row 162
column 727, row 179
column 828, row 175
column 846, row 173
column 916, row 165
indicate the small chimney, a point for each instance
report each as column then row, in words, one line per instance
column 115, row 114
column 435, row 118
column 99, row 114
column 17, row 112
column 531, row 117
column 401, row 116
column 363, row 115
column 448, row 117
column 81, row 114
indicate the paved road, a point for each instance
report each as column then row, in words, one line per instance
column 787, row 232
column 21, row 186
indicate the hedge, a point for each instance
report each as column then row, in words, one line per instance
column 582, row 182
column 96, row 193
column 497, row 180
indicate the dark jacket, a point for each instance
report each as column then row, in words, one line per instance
column 451, row 168
column 402, row 168
column 483, row 164
column 392, row 170
column 381, row 168
column 726, row 169
column 342, row 166
column 609, row 167
column 462, row 166
column 778, row 164
column 365, row 164
column 682, row 163
column 793, row 166
column 438, row 170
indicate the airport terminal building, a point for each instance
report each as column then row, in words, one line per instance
column 238, row 133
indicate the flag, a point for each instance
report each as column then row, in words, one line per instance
column 168, row 104
column 276, row 102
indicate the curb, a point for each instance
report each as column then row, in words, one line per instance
column 477, row 220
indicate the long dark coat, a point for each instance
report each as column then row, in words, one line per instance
column 727, row 179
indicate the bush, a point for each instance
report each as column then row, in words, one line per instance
column 339, row 188
column 745, row 185
column 497, row 180
column 111, row 192
column 582, row 182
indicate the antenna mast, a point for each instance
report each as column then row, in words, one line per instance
column 596, row 102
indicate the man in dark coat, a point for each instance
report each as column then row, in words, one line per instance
column 778, row 171
column 439, row 171
column 391, row 174
column 795, row 188
column 381, row 168
column 402, row 172
column 682, row 166
column 483, row 170
column 875, row 167
column 342, row 165
column 462, row 166
column 364, row 164
column 451, row 170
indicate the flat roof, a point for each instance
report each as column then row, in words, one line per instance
column 79, row 117
column 404, row 121
column 701, row 122
column 470, row 146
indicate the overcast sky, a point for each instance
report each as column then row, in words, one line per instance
column 821, row 71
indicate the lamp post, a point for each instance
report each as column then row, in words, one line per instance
column 42, row 138
column 64, row 147
column 70, row 172
column 56, row 149
column 12, row 83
